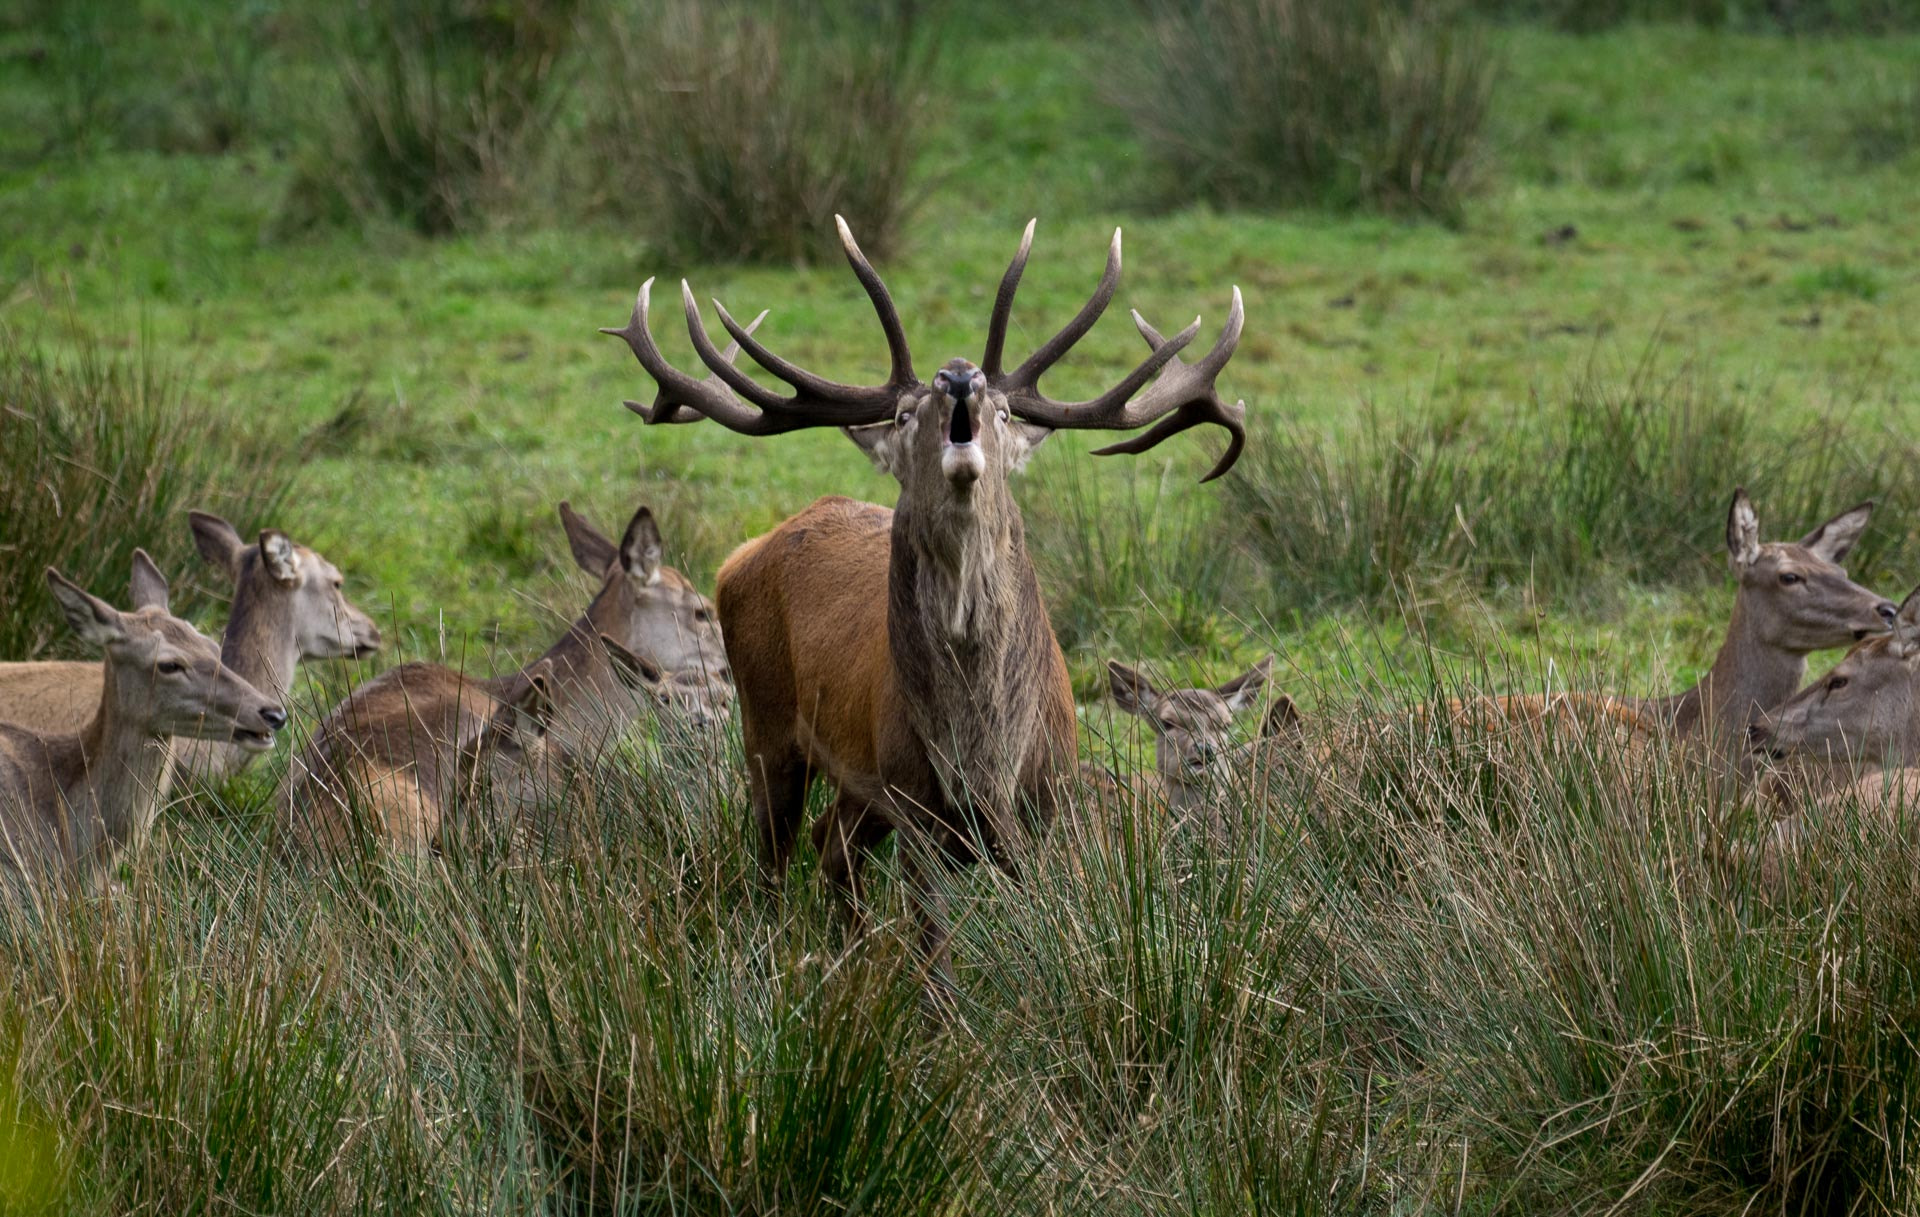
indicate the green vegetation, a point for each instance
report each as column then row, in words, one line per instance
column 1488, row 454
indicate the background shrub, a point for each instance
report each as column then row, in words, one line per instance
column 99, row 455
column 736, row 131
column 439, row 100
column 1259, row 103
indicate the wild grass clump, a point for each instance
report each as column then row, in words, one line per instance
column 1625, row 481
column 1264, row 103
column 102, row 453
column 1609, row 1017
column 736, row 131
column 440, row 102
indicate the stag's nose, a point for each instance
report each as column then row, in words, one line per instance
column 274, row 717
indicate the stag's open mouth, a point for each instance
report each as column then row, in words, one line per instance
column 253, row 741
column 960, row 426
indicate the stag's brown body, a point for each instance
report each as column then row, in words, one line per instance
column 906, row 655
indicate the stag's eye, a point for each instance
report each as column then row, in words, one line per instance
column 1002, row 414
column 903, row 418
column 1836, row 684
column 170, row 667
column 1788, row 578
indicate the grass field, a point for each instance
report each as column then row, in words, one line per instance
column 1538, row 998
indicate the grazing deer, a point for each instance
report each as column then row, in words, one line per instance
column 287, row 606
column 1865, row 713
column 70, row 800
column 405, row 742
column 906, row 654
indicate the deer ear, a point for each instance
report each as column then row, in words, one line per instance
column 92, row 618
column 1743, row 531
column 219, row 542
column 592, row 552
column 1283, row 719
column 876, row 440
column 1243, row 690
column 276, row 550
column 1131, row 690
column 1906, row 626
column 1833, row 539
column 148, row 587
column 529, row 708
column 1022, row 438
column 640, row 548
column 639, row 675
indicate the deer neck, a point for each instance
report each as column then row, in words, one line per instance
column 122, row 769
column 1749, row 676
column 260, row 646
column 590, row 703
column 970, row 642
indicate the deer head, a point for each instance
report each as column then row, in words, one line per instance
column 288, row 586
column 1794, row 594
column 1193, row 728
column 164, row 677
column 1865, row 710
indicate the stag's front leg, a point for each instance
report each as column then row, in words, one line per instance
column 844, row 838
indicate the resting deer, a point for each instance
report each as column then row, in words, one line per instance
column 1856, row 730
column 70, row 800
column 1793, row 599
column 1193, row 731
column 287, row 606
column 403, row 741
column 906, row 655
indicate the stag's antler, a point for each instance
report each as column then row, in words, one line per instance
column 1176, row 396
column 735, row 400
column 1183, row 396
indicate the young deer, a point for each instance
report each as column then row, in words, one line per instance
column 70, row 800
column 401, row 744
column 1193, row 731
column 905, row 655
column 287, row 606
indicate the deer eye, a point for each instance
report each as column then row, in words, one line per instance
column 1836, row 684
column 703, row 614
column 1001, row 414
column 1788, row 578
column 903, row 418
column 170, row 667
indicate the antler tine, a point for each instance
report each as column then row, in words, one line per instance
column 678, row 391
column 661, row 412
column 900, row 372
column 1185, row 395
column 1003, row 304
column 1028, row 374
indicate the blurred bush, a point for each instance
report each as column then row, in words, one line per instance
column 736, row 131
column 101, row 454
column 439, row 102
column 1258, row 103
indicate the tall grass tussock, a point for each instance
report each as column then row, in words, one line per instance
column 1267, row 103
column 101, row 452
column 736, row 131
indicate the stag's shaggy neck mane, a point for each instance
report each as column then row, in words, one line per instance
column 968, row 633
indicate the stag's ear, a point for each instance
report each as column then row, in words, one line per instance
column 1906, row 626
column 591, row 549
column 1743, row 531
column 639, row 675
column 1283, row 719
column 92, row 618
column 276, row 550
column 1022, row 438
column 219, row 542
column 1131, row 689
column 1833, row 539
column 148, row 587
column 877, row 441
column 640, row 548
column 1243, row 690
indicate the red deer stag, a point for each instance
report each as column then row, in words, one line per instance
column 906, row 654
